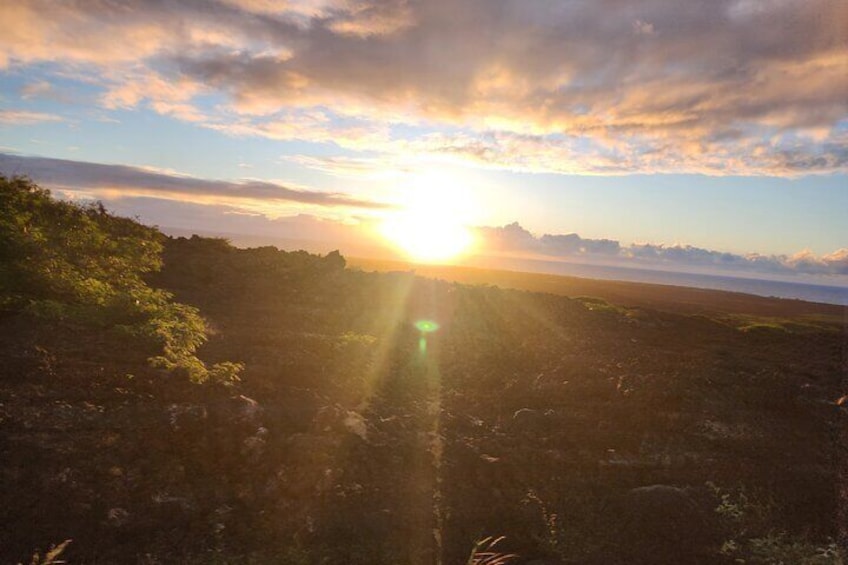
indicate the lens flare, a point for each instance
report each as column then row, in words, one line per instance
column 425, row 327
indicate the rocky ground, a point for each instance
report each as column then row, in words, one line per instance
column 582, row 431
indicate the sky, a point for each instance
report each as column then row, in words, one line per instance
column 686, row 135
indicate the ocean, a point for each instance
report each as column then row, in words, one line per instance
column 809, row 292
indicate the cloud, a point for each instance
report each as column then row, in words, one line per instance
column 720, row 87
column 300, row 231
column 573, row 244
column 36, row 90
column 837, row 261
column 807, row 262
column 26, row 117
column 643, row 28
column 513, row 239
column 368, row 167
column 315, row 126
column 380, row 17
column 116, row 181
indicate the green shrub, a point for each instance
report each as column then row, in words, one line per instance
column 77, row 263
column 752, row 540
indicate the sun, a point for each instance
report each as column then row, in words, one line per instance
column 425, row 238
column 429, row 226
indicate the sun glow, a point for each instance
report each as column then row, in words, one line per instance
column 431, row 224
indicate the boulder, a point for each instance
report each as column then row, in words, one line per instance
column 664, row 524
column 531, row 420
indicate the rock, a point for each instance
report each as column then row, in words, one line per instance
column 336, row 419
column 528, row 419
column 248, row 410
column 525, row 414
column 630, row 383
column 663, row 524
column 253, row 447
column 117, row 517
column 172, row 504
column 181, row 415
column 326, row 418
column 355, row 424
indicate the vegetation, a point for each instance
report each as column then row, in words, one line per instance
column 51, row 556
column 485, row 553
column 78, row 264
column 582, row 430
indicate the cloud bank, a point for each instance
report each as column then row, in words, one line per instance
column 752, row 87
column 514, row 239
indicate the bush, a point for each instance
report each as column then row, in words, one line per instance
column 77, row 263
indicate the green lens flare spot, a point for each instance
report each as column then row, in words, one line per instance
column 426, row 326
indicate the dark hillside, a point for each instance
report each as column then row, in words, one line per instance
column 584, row 431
